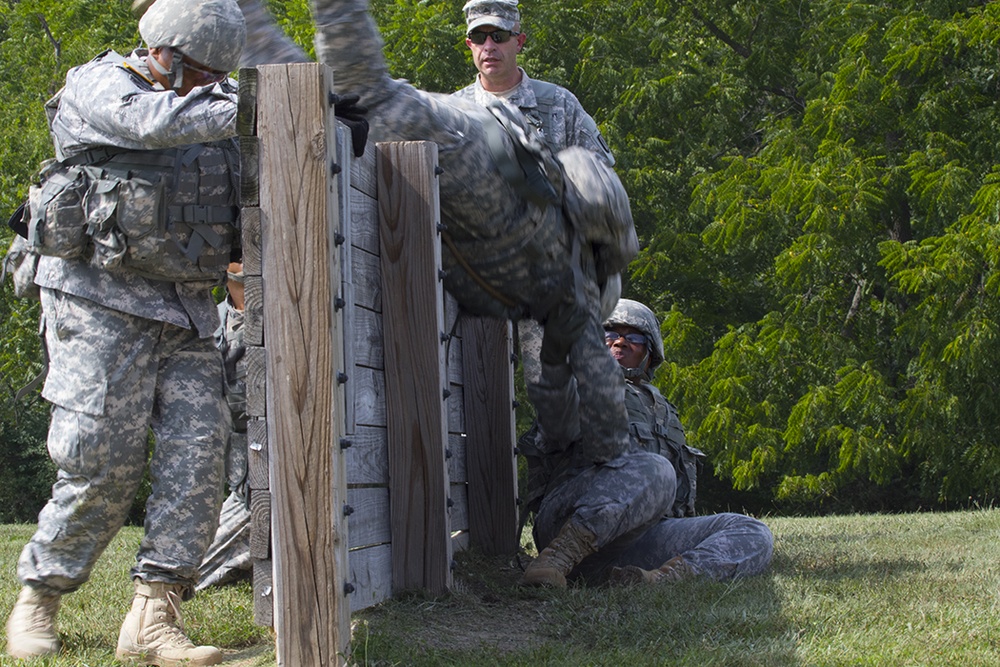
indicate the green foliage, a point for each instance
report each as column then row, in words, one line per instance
column 845, row 257
column 817, row 191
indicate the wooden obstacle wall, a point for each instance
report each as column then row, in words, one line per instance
column 381, row 433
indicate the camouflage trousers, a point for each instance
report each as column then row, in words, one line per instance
column 719, row 546
column 113, row 377
column 228, row 557
column 623, row 503
column 617, row 501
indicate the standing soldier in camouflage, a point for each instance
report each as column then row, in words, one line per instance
column 629, row 521
column 128, row 316
column 495, row 38
column 529, row 232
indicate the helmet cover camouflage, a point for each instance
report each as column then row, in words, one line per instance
column 637, row 315
column 211, row 32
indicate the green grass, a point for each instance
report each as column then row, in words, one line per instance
column 913, row 589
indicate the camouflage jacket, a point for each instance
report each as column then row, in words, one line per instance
column 103, row 104
column 556, row 114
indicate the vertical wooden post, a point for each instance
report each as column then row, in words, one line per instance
column 415, row 357
column 304, row 357
column 488, row 372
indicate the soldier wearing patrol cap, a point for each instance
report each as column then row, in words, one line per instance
column 495, row 38
column 128, row 317
column 511, row 251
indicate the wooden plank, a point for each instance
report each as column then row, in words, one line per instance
column 257, row 466
column 368, row 518
column 253, row 310
column 413, row 317
column 371, row 576
column 363, row 172
column 256, row 381
column 246, row 110
column 367, row 280
column 263, row 588
column 250, row 238
column 369, row 397
column 458, row 506
column 367, row 338
column 368, row 456
column 489, row 420
column 459, row 540
column 364, row 222
column 456, row 458
column 249, row 166
column 456, row 408
column 343, row 245
column 304, row 355
column 455, row 360
column 260, row 523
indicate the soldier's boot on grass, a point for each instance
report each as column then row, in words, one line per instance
column 151, row 633
column 571, row 545
column 31, row 628
column 675, row 569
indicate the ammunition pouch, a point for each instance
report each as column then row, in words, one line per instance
column 165, row 215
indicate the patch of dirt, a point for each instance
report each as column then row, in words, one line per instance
column 485, row 610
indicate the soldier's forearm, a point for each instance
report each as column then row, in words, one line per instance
column 266, row 42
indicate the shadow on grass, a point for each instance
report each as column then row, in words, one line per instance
column 488, row 619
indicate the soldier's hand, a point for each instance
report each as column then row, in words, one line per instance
column 563, row 327
column 352, row 114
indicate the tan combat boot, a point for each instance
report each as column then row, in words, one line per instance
column 675, row 569
column 151, row 633
column 571, row 545
column 31, row 628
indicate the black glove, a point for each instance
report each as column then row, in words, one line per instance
column 563, row 327
column 352, row 114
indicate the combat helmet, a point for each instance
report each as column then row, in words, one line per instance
column 633, row 314
column 211, row 32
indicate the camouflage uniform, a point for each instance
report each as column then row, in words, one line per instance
column 566, row 124
column 128, row 354
column 560, row 122
column 525, row 248
column 228, row 557
column 628, row 503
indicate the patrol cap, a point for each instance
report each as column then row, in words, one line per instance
column 211, row 32
column 502, row 14
column 637, row 315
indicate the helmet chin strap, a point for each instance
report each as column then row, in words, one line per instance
column 174, row 75
column 639, row 372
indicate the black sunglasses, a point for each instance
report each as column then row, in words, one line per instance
column 498, row 36
column 633, row 338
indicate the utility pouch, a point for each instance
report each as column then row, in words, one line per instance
column 126, row 222
column 57, row 224
column 21, row 262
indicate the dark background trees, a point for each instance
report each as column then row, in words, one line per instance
column 816, row 186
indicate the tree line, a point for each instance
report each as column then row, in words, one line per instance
column 815, row 186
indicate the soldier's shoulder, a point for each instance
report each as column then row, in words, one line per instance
column 468, row 92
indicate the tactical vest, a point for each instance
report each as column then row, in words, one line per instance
column 167, row 214
column 659, row 430
column 545, row 101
